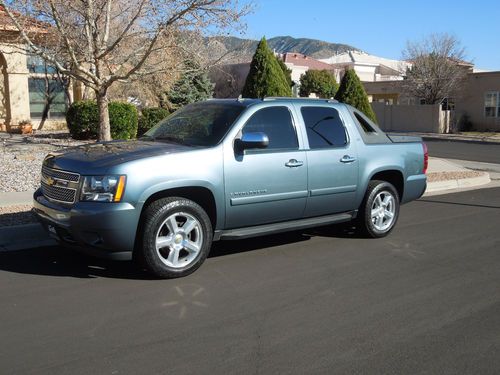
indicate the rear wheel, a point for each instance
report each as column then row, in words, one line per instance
column 177, row 235
column 379, row 210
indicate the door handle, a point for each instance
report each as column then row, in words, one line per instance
column 347, row 159
column 292, row 163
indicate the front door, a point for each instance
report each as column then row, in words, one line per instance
column 266, row 185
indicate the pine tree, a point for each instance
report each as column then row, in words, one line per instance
column 193, row 86
column 320, row 82
column 265, row 78
column 287, row 72
column 351, row 91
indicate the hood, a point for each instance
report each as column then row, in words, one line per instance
column 93, row 158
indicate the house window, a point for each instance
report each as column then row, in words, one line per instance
column 492, row 104
column 48, row 93
column 36, row 64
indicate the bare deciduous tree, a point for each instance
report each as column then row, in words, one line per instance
column 101, row 42
column 438, row 69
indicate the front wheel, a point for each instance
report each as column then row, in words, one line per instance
column 379, row 210
column 177, row 237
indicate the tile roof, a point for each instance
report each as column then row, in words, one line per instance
column 299, row 59
column 32, row 24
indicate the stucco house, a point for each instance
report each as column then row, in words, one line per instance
column 26, row 80
column 475, row 105
column 369, row 68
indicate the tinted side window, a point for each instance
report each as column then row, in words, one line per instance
column 324, row 127
column 276, row 123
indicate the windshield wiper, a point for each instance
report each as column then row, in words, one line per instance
column 146, row 138
column 172, row 139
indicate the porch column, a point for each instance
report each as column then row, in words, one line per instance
column 17, row 80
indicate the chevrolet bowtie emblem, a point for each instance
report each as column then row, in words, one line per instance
column 51, row 181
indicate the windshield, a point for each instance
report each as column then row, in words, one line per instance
column 198, row 124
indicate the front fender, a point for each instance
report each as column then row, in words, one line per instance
column 186, row 183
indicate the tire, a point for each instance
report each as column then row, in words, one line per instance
column 169, row 249
column 379, row 210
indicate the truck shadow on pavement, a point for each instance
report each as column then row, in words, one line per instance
column 61, row 262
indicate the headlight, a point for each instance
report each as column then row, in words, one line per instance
column 102, row 188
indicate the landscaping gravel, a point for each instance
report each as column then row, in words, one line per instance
column 20, row 171
column 457, row 175
column 21, row 158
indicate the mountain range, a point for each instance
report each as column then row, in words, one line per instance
column 243, row 49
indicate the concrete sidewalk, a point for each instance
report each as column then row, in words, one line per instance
column 449, row 176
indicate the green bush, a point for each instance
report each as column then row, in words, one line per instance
column 150, row 116
column 82, row 118
column 320, row 82
column 123, row 120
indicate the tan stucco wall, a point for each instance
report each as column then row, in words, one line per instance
column 3, row 86
column 471, row 102
column 16, row 95
column 409, row 118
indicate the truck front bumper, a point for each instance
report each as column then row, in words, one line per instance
column 105, row 230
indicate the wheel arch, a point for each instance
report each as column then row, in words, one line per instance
column 393, row 176
column 198, row 194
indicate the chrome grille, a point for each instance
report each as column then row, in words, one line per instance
column 58, row 193
column 60, row 186
column 60, row 175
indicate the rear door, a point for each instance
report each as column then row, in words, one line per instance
column 332, row 162
column 266, row 185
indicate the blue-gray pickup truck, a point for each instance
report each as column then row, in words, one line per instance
column 228, row 169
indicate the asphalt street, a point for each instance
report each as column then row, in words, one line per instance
column 426, row 299
column 472, row 151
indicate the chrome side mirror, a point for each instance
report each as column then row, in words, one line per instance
column 254, row 140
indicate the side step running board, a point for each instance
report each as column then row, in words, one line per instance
column 261, row 230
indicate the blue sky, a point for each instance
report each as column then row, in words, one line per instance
column 383, row 27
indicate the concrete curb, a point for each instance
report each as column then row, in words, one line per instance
column 16, row 198
column 461, row 183
column 21, row 237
